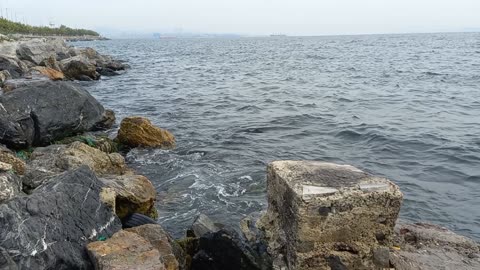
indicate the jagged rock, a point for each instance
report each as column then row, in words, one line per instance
column 9, row 157
column 50, row 228
column 133, row 194
column 201, row 226
column 104, row 71
column 15, row 68
column 51, row 62
column 51, row 73
column 322, row 214
column 125, row 250
column 37, row 50
column 171, row 254
column 139, row 131
column 54, row 159
column 79, row 68
column 40, row 112
column 225, row 249
column 10, row 186
column 423, row 246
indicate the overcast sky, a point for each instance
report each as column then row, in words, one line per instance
column 255, row 17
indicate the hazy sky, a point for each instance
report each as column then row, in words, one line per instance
column 293, row 17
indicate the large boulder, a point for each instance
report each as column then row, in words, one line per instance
column 50, row 228
column 133, row 194
column 139, row 131
column 10, row 184
column 15, row 68
column 79, row 68
column 38, row 113
column 37, row 50
column 54, row 159
column 125, row 250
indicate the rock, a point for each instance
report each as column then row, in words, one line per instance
column 7, row 156
column 108, row 120
column 319, row 213
column 169, row 250
column 54, row 159
column 125, row 250
column 50, row 228
column 104, row 71
column 225, row 249
column 133, row 194
column 37, row 50
column 79, row 68
column 44, row 111
column 51, row 62
column 4, row 76
column 201, row 226
column 52, row 74
column 15, row 68
column 10, row 185
column 139, row 131
column 381, row 257
column 430, row 247
column 4, row 167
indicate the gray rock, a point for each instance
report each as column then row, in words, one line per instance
column 16, row 68
column 38, row 113
column 10, row 186
column 37, row 50
column 79, row 68
column 381, row 257
column 201, row 226
column 51, row 228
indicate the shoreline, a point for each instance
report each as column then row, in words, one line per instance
column 116, row 182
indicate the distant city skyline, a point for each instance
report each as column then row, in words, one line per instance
column 250, row 17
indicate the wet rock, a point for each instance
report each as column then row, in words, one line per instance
column 50, row 228
column 171, row 254
column 133, row 194
column 108, row 120
column 79, row 68
column 51, row 73
column 104, row 71
column 139, row 131
column 10, row 184
column 201, row 226
column 225, row 249
column 318, row 211
column 125, row 250
column 7, row 156
column 15, row 68
column 428, row 247
column 54, row 159
column 40, row 112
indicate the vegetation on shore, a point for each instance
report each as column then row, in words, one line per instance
column 9, row 27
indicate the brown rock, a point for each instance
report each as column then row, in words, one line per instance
column 51, row 73
column 125, row 250
column 6, row 156
column 133, row 194
column 138, row 131
column 158, row 238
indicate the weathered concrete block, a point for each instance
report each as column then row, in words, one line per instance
column 327, row 215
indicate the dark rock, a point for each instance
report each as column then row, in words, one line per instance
column 108, row 120
column 381, row 257
column 16, row 68
column 79, row 68
column 10, row 186
column 225, row 249
column 104, row 71
column 201, row 226
column 50, row 228
column 40, row 112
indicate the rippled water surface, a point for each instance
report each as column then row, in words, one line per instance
column 403, row 106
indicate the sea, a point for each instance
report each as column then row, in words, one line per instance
column 406, row 107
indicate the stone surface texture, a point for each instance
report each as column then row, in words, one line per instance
column 40, row 112
column 324, row 215
column 125, row 251
column 50, row 228
column 139, row 131
column 10, row 186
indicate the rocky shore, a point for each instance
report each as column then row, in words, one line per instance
column 68, row 200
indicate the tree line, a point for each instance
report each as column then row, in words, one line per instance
column 9, row 27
